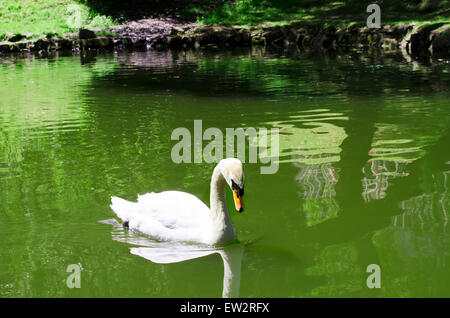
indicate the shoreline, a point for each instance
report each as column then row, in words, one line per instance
column 419, row 41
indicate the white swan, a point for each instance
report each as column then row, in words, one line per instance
column 180, row 216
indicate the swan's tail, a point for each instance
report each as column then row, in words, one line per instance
column 124, row 209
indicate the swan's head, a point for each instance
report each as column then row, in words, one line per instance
column 234, row 175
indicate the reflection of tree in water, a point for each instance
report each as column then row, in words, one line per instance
column 427, row 211
column 316, row 181
column 377, row 175
column 384, row 181
column 312, row 143
column 391, row 159
column 417, row 239
column 317, row 189
column 401, row 231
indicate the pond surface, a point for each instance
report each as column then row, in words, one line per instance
column 363, row 174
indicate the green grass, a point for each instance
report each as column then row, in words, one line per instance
column 36, row 18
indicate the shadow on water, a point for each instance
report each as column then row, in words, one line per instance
column 273, row 72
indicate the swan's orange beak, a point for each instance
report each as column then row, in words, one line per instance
column 239, row 204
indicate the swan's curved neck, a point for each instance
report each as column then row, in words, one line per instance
column 218, row 205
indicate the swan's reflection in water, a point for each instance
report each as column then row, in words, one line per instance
column 175, row 252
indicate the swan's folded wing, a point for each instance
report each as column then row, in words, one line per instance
column 174, row 209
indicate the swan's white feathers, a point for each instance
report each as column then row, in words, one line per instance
column 233, row 170
column 174, row 209
column 167, row 216
column 180, row 216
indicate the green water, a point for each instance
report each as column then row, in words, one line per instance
column 363, row 175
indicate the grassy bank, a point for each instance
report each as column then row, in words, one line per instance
column 35, row 18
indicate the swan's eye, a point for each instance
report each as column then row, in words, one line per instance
column 234, row 186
